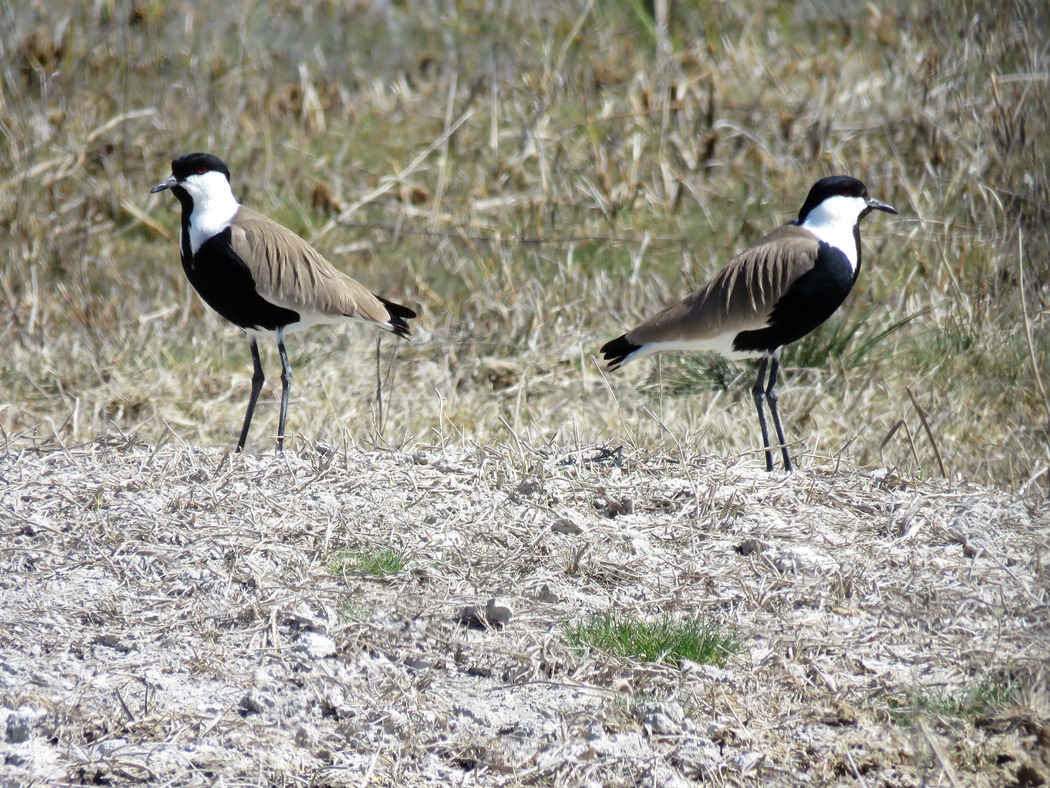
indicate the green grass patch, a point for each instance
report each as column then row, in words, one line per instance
column 351, row 611
column 374, row 563
column 855, row 339
column 987, row 694
column 660, row 640
column 687, row 374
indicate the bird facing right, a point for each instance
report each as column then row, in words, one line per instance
column 768, row 296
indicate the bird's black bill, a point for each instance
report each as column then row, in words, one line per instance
column 876, row 205
column 163, row 185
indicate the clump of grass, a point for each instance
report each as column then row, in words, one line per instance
column 853, row 338
column 983, row 697
column 661, row 640
column 376, row 563
column 351, row 611
column 689, row 374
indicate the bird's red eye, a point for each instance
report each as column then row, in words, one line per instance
column 201, row 170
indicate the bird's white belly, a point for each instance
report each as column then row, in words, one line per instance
column 721, row 344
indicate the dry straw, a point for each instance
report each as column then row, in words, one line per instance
column 534, row 176
column 167, row 610
column 534, row 184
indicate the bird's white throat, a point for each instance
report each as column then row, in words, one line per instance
column 833, row 221
column 214, row 206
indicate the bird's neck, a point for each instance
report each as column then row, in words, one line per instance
column 210, row 215
column 838, row 231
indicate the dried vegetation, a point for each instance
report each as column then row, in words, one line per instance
column 535, row 177
column 176, row 615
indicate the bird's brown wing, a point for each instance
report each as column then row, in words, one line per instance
column 741, row 296
column 290, row 273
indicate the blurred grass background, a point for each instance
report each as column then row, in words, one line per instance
column 537, row 177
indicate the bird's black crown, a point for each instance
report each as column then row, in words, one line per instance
column 198, row 164
column 834, row 186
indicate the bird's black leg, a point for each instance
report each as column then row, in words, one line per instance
column 286, row 386
column 771, row 398
column 759, row 393
column 257, row 382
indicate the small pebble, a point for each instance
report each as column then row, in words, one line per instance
column 547, row 596
column 20, row 724
column 565, row 526
column 663, row 718
column 495, row 614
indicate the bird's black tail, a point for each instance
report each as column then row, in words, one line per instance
column 617, row 351
column 399, row 317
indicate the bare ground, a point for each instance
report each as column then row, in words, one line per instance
column 173, row 615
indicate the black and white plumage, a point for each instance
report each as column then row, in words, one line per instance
column 260, row 275
column 768, row 296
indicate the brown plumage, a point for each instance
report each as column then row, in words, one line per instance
column 740, row 297
column 290, row 273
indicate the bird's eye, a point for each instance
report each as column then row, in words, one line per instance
column 201, row 170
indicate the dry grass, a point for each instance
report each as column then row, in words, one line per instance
column 535, row 177
column 536, row 181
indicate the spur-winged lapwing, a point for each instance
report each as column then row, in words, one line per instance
column 261, row 276
column 768, row 296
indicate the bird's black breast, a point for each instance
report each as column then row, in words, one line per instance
column 225, row 283
column 809, row 301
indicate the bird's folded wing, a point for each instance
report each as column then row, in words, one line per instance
column 741, row 296
column 290, row 273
